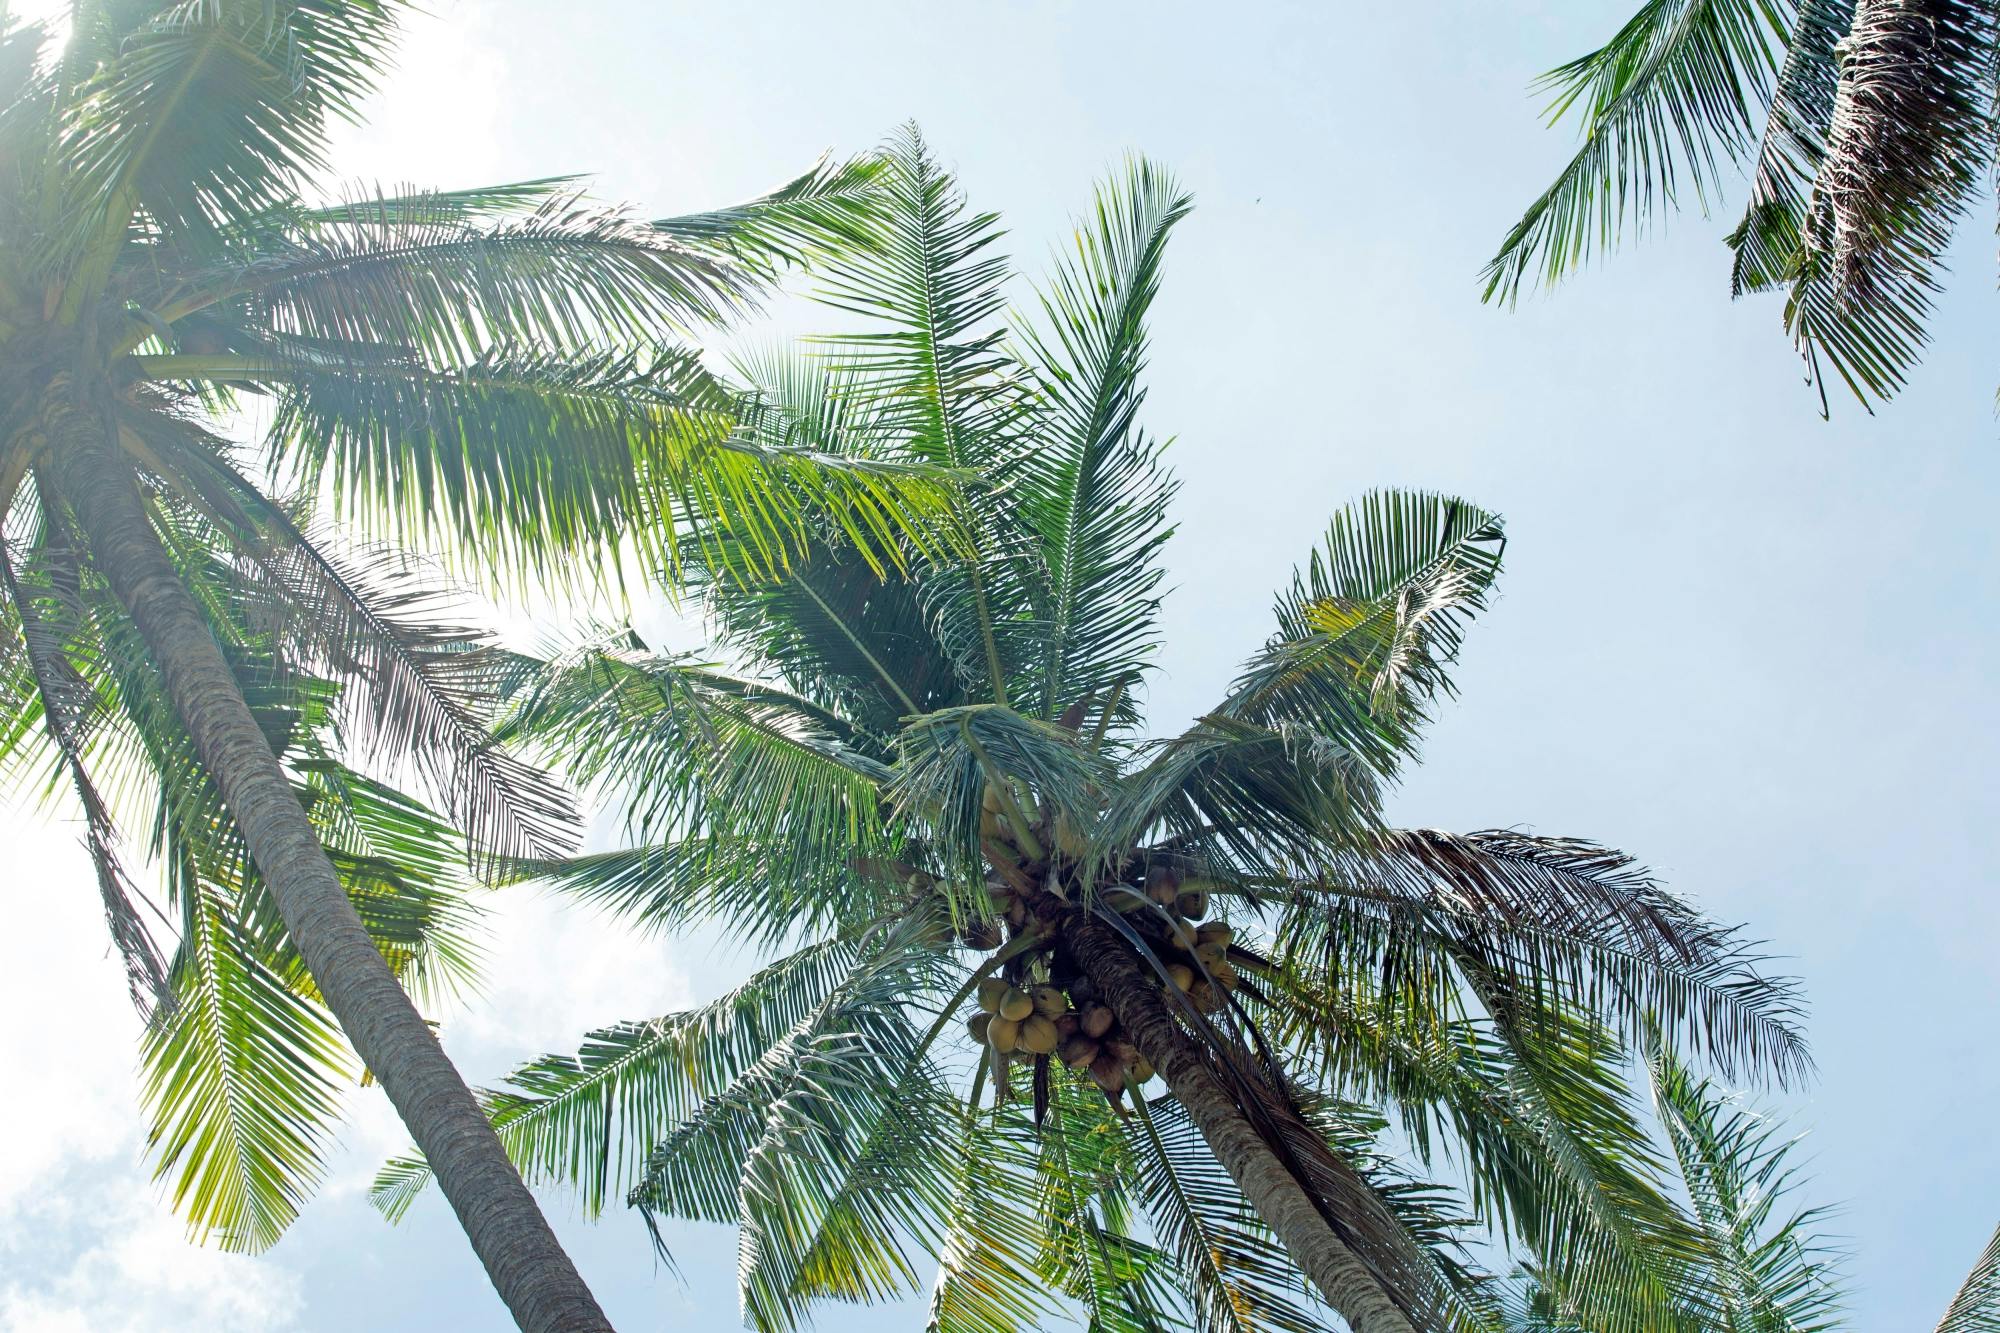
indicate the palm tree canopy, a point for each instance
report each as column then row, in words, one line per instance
column 1866, row 127
column 488, row 372
column 917, row 786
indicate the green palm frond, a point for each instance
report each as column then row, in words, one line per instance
column 933, row 287
column 591, row 1120
column 242, row 1083
column 1093, row 493
column 200, row 113
column 824, row 211
column 391, row 272
column 1669, row 99
column 1573, row 920
column 1762, row 1271
column 1370, row 625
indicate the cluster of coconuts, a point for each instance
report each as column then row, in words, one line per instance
column 1041, row 1022
column 1196, row 952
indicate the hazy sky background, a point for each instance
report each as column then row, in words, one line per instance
column 1753, row 648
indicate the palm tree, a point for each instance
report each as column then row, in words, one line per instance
column 483, row 371
column 1868, row 127
column 926, row 787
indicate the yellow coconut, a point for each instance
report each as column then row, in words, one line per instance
column 992, row 990
column 1191, row 903
column 1225, row 975
column 1003, row 1034
column 1038, row 1035
column 1180, row 974
column 1016, row 1005
column 976, row 1025
column 1211, row 952
column 1215, row 932
column 1050, row 1003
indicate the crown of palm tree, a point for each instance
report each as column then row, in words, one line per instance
column 1867, row 127
column 488, row 372
column 929, row 789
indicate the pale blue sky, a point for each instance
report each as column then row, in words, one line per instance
column 1750, row 647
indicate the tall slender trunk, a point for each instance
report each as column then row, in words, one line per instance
column 522, row 1256
column 1343, row 1277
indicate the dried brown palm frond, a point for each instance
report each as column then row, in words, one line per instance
column 1911, row 134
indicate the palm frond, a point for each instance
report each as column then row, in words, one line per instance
column 1760, row 1270
column 242, row 1083
column 1976, row 1307
column 204, row 113
column 392, row 273
column 1092, row 492
column 830, row 208
column 1581, row 921
column 1670, row 99
column 1369, row 627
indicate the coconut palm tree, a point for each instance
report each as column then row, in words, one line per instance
column 1868, row 128
column 928, row 790
column 482, row 371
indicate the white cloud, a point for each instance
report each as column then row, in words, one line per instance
column 94, row 1253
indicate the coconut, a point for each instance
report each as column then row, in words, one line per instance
column 1109, row 1072
column 1124, row 1052
column 1016, row 1005
column 1211, row 952
column 1069, row 1024
column 1215, row 932
column 1097, row 1020
column 1224, row 975
column 1078, row 1052
column 1183, row 935
column 1003, row 1034
column 1142, row 1070
column 1164, row 893
column 1081, row 992
column 1038, row 1035
column 991, row 991
column 982, row 934
column 976, row 1025
column 1179, row 973
column 1191, row 903
column 1050, row 1003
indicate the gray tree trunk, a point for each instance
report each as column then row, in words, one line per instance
column 1349, row 1285
column 521, row 1254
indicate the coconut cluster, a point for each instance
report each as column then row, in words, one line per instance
column 1169, row 910
column 1041, row 1007
column 1068, row 1024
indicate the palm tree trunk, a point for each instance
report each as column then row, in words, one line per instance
column 522, row 1256
column 1343, row 1277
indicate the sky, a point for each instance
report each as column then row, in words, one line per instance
column 1749, row 646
